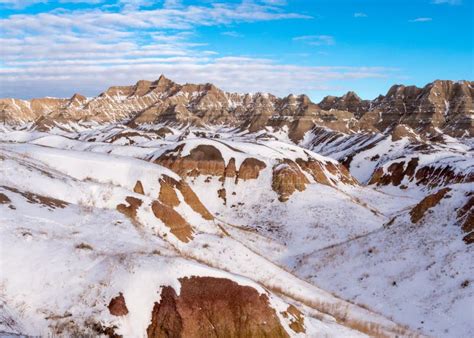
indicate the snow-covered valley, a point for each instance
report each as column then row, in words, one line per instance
column 92, row 213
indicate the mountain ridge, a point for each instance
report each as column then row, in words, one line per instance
column 440, row 106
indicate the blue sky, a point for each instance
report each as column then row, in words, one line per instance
column 317, row 47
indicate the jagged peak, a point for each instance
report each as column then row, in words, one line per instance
column 398, row 89
column 351, row 94
column 436, row 84
column 447, row 84
column 78, row 97
column 329, row 97
column 162, row 81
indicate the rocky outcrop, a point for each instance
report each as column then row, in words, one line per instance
column 441, row 104
column 288, row 178
column 207, row 160
column 427, row 175
column 230, row 169
column 213, row 307
column 350, row 102
column 202, row 160
column 445, row 105
column 117, row 306
column 250, row 169
column 395, row 173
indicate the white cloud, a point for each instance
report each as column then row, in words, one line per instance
column 360, row 15
column 88, row 50
column 20, row 4
column 241, row 74
column 422, row 20
column 316, row 40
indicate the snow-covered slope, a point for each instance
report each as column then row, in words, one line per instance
column 420, row 273
column 86, row 249
column 109, row 217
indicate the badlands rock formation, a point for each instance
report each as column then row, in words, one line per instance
column 441, row 105
column 168, row 210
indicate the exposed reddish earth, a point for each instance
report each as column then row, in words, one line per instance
column 130, row 210
column 213, row 307
column 117, row 306
column 427, row 203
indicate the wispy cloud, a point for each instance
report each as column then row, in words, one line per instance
column 449, row 2
column 316, row 40
column 421, row 20
column 275, row 2
column 87, row 50
column 230, row 73
column 360, row 15
column 20, row 4
column 232, row 34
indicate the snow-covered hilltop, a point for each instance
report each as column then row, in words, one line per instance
column 181, row 210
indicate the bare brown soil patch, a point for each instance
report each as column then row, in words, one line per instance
column 84, row 246
column 436, row 176
column 222, row 194
column 469, row 238
column 138, row 188
column 127, row 135
column 466, row 214
column 32, row 198
column 193, row 201
column 315, row 168
column 108, row 331
column 130, row 210
column 213, row 307
column 167, row 193
column 396, row 173
column 163, row 131
column 4, row 199
column 117, row 306
column 426, row 203
column 177, row 224
column 341, row 172
column 296, row 320
column 188, row 194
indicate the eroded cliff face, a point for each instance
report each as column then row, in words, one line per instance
column 207, row 160
column 445, row 105
column 410, row 171
column 213, row 307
